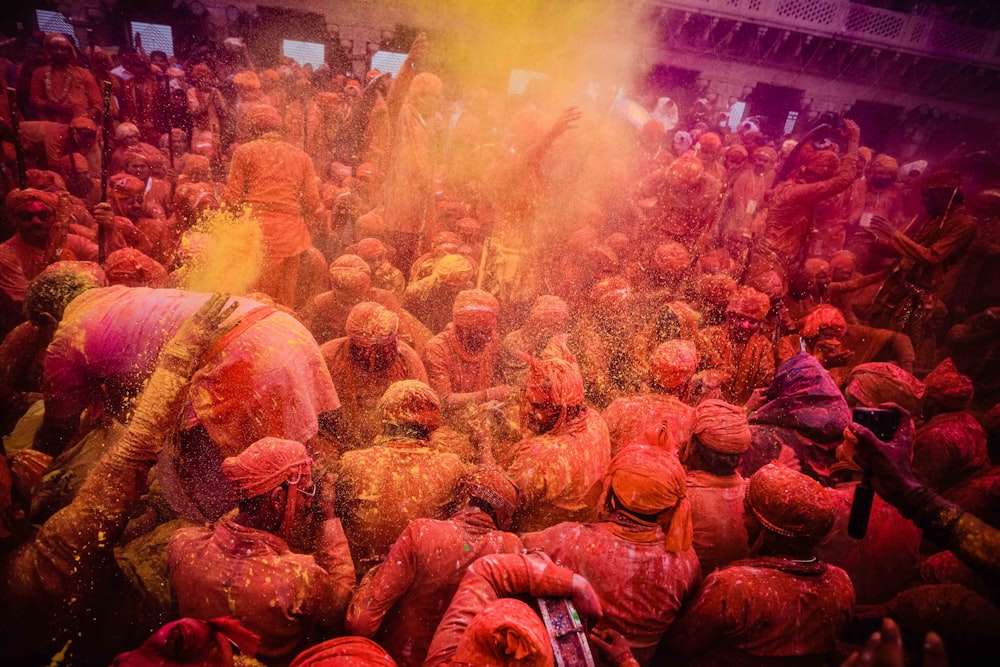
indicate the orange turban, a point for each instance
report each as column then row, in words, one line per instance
column 749, row 303
column 710, row 141
column 454, row 270
column 344, row 652
column 737, row 152
column 769, row 283
column 350, row 273
column 247, row 79
column 881, row 382
column 410, row 403
column 671, row 258
column 43, row 179
column 789, row 503
column 266, row 465
column 492, row 485
column 887, row 162
column 554, row 377
column 506, row 632
column 685, row 172
column 548, row 312
column 474, row 308
column 673, row 363
column 132, row 268
column 722, row 427
column 822, row 162
column 844, row 259
column 950, row 389
column 823, row 317
column 18, row 198
column 649, row 481
column 327, row 99
column 766, row 151
column 262, row 118
column 371, row 322
column 715, row 288
column 126, row 185
column 369, row 248
column 83, row 123
column 610, row 293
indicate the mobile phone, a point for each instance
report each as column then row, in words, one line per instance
column 883, row 424
column 880, row 421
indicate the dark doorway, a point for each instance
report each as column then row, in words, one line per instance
column 771, row 105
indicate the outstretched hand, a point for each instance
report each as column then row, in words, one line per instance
column 200, row 331
column 889, row 462
column 567, row 120
column 885, row 649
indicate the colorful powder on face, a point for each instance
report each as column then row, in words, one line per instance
column 225, row 252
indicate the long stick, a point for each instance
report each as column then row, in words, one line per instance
column 15, row 122
column 170, row 146
column 105, row 162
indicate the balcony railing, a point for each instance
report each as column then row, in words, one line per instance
column 880, row 28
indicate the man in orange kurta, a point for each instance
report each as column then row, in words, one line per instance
column 61, row 90
column 279, row 183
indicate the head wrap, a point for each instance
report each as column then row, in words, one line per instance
column 883, row 161
column 768, row 152
column 823, row 316
column 881, row 382
column 344, row 652
column 673, row 363
column 59, row 38
column 136, row 154
column 685, row 172
column 737, row 151
column 610, row 293
column 650, row 481
column 950, row 389
column 942, row 179
column 454, row 270
column 844, row 259
column 262, row 118
column 201, row 72
column 350, row 273
column 410, row 403
column 266, row 465
column 506, row 632
column 710, row 141
column 468, row 226
column 247, row 79
column 548, row 312
column 83, row 123
column 492, row 485
column 554, row 377
column 789, row 503
column 126, row 185
column 671, row 258
column 369, row 248
column 91, row 271
column 132, row 268
column 769, row 283
column 371, row 322
column 722, row 427
column 424, row 83
column 715, row 289
column 823, row 162
column 444, row 237
column 43, row 179
column 327, row 99
column 749, row 303
column 18, row 198
column 475, row 308
column 193, row 642
column 815, row 266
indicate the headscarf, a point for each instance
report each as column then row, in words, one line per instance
column 673, row 363
column 262, row 118
column 492, row 485
column 671, row 258
column 475, row 308
column 749, row 303
column 19, row 198
column 950, row 389
column 507, row 632
column 882, row 382
column 548, row 312
column 823, row 316
column 651, row 481
column 266, row 465
column 805, row 411
column 126, row 185
column 132, row 268
column 350, row 273
column 410, row 403
column 554, row 377
column 344, row 652
column 790, row 504
column 189, row 641
column 722, row 427
column 371, row 322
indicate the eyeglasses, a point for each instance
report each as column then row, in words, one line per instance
column 28, row 216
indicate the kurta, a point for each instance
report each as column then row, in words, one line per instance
column 720, row 535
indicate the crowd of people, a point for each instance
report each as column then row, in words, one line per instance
column 498, row 350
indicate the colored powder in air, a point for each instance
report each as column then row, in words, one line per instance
column 225, row 252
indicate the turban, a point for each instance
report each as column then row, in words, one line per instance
column 610, row 293
column 736, row 151
column 822, row 162
column 350, row 273
column 445, row 237
column 126, row 185
column 942, row 179
column 270, row 76
column 372, row 322
column 749, row 303
column 83, row 123
column 454, row 270
column 201, row 72
column 844, row 259
column 19, row 198
column 189, row 641
column 475, row 308
column 881, row 382
column 369, row 248
column 410, row 403
column 351, row 83
column 815, row 266
column 554, row 377
column 769, row 283
column 710, row 141
column 327, row 99
column 506, row 632
column 682, row 141
column 492, row 485
column 468, row 226
column 548, row 312
column 789, row 503
column 766, row 151
column 722, row 427
column 262, row 118
column 370, row 223
column 43, row 179
column 673, row 363
column 949, row 388
column 715, row 288
column 132, row 268
column 823, row 317
column 884, row 161
column 73, row 163
column 247, row 80
column 671, row 258
column 136, row 154
column 125, row 130
column 649, row 481
column 266, row 465
column 685, row 172
column 424, row 83
column 344, row 652
column 91, row 271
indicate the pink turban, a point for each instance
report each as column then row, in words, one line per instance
column 823, row 317
column 685, row 171
column 673, row 363
column 247, row 80
column 650, row 481
column 789, row 503
column 884, row 161
column 722, row 427
column 126, row 185
column 881, row 382
column 710, row 141
column 474, row 308
column 749, row 303
column 822, row 162
column 266, row 465
column 369, row 248
column 949, row 388
column 715, row 288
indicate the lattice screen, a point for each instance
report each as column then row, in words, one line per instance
column 812, row 11
column 863, row 20
column 54, row 22
column 155, row 37
column 304, row 53
column 957, row 39
column 388, row 61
